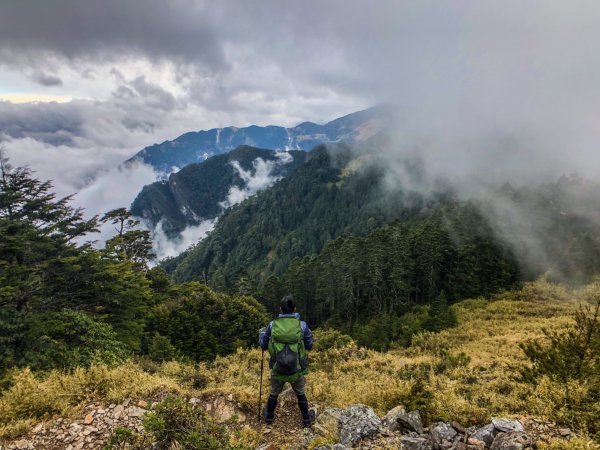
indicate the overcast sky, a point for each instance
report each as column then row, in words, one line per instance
column 112, row 76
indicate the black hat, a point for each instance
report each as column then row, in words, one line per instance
column 287, row 304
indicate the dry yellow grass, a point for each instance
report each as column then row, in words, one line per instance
column 470, row 391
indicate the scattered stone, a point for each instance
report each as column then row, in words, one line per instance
column 142, row 404
column 564, row 432
column 476, row 443
column 135, row 411
column 267, row 447
column 507, row 425
column 358, row 422
column 513, row 440
column 485, row 434
column 22, row 444
column 415, row 443
column 398, row 419
column 332, row 447
column 441, row 432
column 88, row 419
column 458, row 427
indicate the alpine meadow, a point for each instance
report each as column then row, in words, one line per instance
column 313, row 225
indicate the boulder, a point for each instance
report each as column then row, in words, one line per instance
column 507, row 425
column 441, row 432
column 328, row 423
column 415, row 443
column 223, row 410
column 514, row 440
column 485, row 434
column 358, row 422
column 398, row 419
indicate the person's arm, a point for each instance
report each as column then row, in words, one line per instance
column 263, row 337
column 308, row 337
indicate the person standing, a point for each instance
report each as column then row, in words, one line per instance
column 287, row 339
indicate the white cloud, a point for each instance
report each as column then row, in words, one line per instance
column 258, row 178
column 165, row 247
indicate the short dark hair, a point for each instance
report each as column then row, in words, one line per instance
column 287, row 304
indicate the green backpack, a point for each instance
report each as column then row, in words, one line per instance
column 286, row 347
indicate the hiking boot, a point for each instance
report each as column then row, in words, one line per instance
column 309, row 419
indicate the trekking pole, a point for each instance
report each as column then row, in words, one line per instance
column 262, row 364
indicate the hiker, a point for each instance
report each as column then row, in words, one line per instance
column 287, row 339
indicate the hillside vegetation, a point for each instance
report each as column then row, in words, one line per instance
column 467, row 373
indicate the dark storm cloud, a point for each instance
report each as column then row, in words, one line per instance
column 172, row 29
column 46, row 79
column 52, row 123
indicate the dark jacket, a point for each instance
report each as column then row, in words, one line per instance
column 265, row 333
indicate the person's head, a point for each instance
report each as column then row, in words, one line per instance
column 287, row 305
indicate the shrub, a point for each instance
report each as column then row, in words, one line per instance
column 175, row 422
column 328, row 338
column 68, row 339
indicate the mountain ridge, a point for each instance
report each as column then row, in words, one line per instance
column 195, row 146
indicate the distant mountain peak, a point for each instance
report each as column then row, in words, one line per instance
column 197, row 146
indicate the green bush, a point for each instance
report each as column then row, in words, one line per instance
column 176, row 422
column 69, row 339
column 327, row 338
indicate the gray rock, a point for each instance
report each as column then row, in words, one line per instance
column 399, row 420
column 415, row 443
column 513, row 440
column 328, row 422
column 358, row 422
column 485, row 434
column 507, row 425
column 441, row 432
column 332, row 447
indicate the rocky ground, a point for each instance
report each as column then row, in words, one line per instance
column 357, row 426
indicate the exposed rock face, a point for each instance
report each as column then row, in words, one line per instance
column 398, row 419
column 514, row 440
column 441, row 433
column 351, row 425
column 328, row 422
column 507, row 425
column 358, row 426
column 358, row 422
column 485, row 434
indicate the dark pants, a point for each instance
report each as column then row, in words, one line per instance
column 277, row 386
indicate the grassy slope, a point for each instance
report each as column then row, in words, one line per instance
column 421, row 376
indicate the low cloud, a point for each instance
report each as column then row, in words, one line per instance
column 165, row 247
column 258, row 178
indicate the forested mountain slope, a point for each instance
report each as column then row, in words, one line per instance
column 327, row 197
column 340, row 192
column 199, row 191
